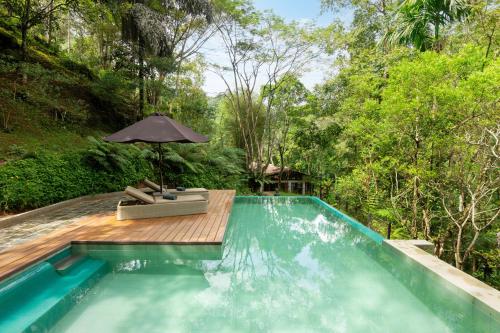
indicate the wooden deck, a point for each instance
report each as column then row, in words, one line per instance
column 190, row 229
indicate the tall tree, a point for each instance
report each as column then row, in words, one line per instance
column 419, row 22
column 286, row 100
column 148, row 26
column 261, row 49
column 30, row 13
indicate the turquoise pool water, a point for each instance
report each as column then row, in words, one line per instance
column 286, row 265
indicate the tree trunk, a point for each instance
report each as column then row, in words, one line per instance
column 141, row 78
column 427, row 224
column 68, row 32
column 24, row 37
column 49, row 22
column 416, row 183
column 414, row 224
column 24, row 28
column 439, row 247
column 437, row 44
column 282, row 166
column 458, row 249
column 490, row 40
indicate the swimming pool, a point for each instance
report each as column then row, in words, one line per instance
column 286, row 265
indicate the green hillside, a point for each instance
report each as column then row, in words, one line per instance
column 50, row 102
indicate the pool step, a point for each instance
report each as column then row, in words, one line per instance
column 64, row 264
column 36, row 299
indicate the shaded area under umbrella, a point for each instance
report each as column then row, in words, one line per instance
column 157, row 129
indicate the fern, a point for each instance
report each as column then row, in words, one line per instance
column 110, row 156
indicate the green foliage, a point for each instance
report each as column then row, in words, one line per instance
column 235, row 110
column 111, row 156
column 16, row 151
column 206, row 166
column 40, row 178
column 418, row 22
column 190, row 107
column 47, row 178
column 488, row 268
column 111, row 97
column 78, row 68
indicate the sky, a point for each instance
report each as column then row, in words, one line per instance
column 301, row 9
column 298, row 10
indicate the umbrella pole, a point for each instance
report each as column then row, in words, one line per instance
column 161, row 167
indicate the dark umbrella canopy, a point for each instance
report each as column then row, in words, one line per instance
column 157, row 129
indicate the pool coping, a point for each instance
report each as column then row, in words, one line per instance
column 478, row 290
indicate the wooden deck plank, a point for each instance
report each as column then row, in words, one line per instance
column 191, row 229
column 222, row 229
column 180, row 228
column 199, row 228
column 186, row 227
column 206, row 230
column 174, row 227
column 170, row 226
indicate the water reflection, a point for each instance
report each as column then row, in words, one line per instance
column 287, row 265
column 295, row 267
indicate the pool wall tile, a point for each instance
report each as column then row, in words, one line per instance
column 39, row 296
column 152, row 251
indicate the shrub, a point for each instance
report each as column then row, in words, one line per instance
column 211, row 178
column 79, row 68
column 48, row 178
column 111, row 92
column 205, row 166
column 41, row 178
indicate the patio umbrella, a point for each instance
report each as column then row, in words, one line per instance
column 157, row 129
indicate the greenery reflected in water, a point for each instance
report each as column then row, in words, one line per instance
column 286, row 265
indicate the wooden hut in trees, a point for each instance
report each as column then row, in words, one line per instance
column 292, row 181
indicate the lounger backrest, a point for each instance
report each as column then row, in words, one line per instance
column 152, row 185
column 139, row 195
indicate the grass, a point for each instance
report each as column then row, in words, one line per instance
column 34, row 106
column 31, row 128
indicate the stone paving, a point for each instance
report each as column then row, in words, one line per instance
column 44, row 223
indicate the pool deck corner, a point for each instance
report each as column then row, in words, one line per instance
column 103, row 228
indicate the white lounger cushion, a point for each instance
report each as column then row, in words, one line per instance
column 159, row 207
column 172, row 208
column 149, row 199
column 139, row 195
column 189, row 191
column 152, row 185
column 184, row 198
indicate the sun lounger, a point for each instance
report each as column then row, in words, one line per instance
column 153, row 187
column 148, row 206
